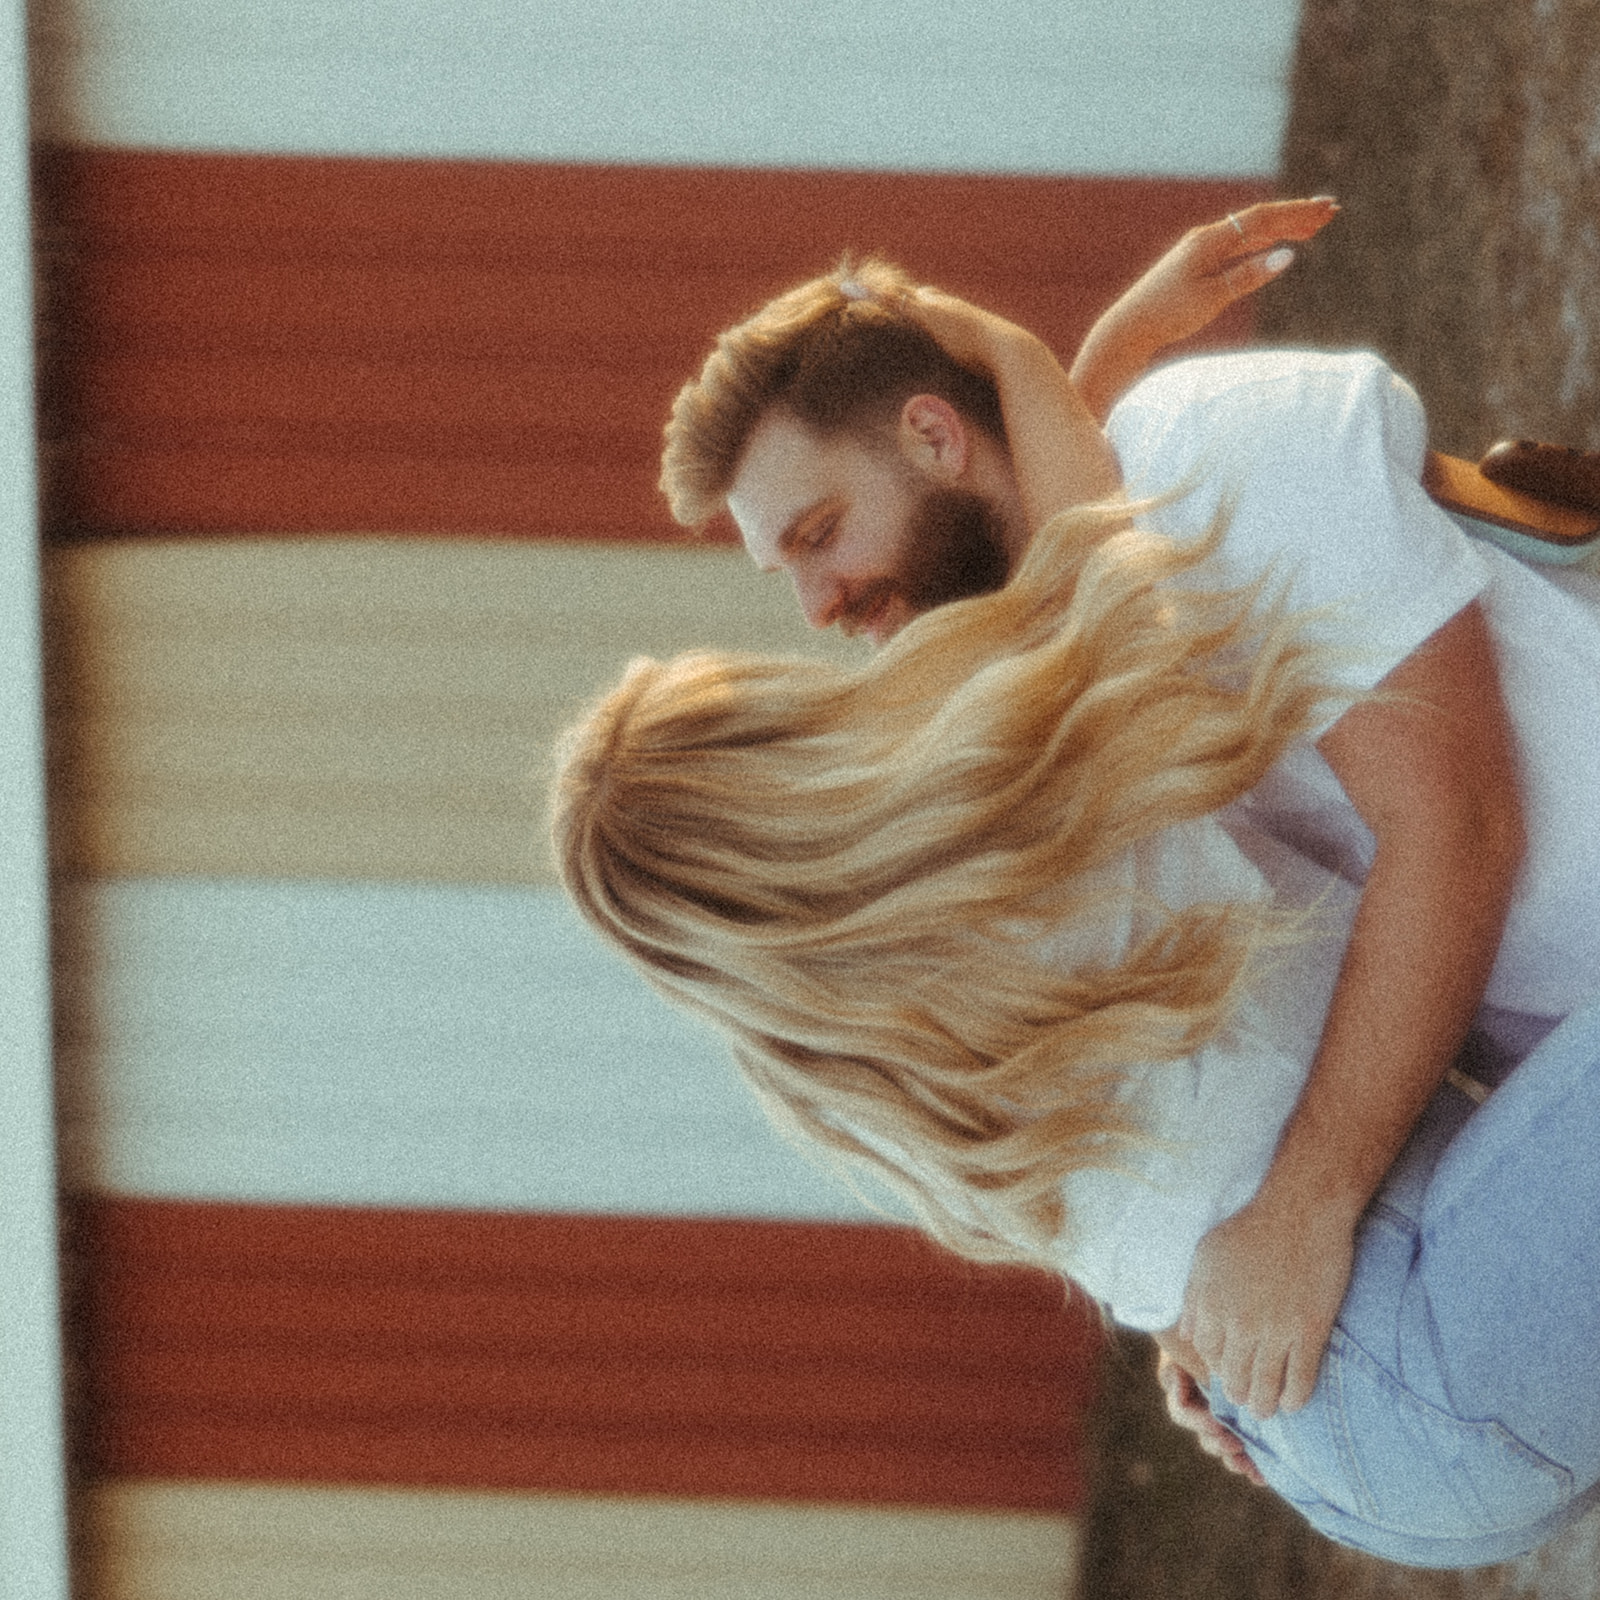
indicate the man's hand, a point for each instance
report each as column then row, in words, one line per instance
column 1188, row 288
column 1262, row 1296
column 1186, row 1405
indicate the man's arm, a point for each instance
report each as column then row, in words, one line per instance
column 1189, row 287
column 1430, row 765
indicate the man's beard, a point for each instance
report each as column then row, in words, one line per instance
column 953, row 548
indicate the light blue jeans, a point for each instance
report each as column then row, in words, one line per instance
column 1456, row 1419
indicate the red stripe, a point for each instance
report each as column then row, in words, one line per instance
column 578, row 1353
column 315, row 344
column 167, row 1304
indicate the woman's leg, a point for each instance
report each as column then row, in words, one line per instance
column 1511, row 1253
column 1457, row 1417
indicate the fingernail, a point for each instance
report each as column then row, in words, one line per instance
column 1324, row 200
column 1278, row 260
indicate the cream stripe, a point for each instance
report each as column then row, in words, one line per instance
column 365, row 708
column 174, row 1541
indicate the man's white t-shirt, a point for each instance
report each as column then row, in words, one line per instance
column 1315, row 462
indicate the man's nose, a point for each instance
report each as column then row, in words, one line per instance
column 821, row 597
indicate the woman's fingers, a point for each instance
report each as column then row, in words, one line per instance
column 1245, row 276
column 1271, row 222
column 1188, row 1407
column 1259, row 234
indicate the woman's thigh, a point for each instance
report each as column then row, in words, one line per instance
column 1379, row 1458
column 1457, row 1416
column 1510, row 1252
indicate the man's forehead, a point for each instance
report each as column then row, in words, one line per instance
column 782, row 452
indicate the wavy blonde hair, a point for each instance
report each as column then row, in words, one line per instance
column 849, row 870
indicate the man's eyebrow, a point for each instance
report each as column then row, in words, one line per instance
column 796, row 526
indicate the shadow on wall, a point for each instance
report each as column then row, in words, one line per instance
column 1464, row 142
column 55, row 30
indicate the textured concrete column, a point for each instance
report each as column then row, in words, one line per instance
column 1464, row 141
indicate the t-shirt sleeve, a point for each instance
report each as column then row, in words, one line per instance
column 1314, row 464
column 1132, row 1246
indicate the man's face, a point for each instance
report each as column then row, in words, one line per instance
column 867, row 540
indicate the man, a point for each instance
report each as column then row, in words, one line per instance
column 892, row 449
column 731, row 446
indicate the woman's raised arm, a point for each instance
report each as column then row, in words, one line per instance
column 1203, row 274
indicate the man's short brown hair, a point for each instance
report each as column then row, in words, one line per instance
column 836, row 353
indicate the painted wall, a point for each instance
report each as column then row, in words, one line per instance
column 1043, row 86
column 313, row 988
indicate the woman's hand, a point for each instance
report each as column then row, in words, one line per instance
column 1187, row 1407
column 976, row 338
column 1188, row 288
column 1261, row 1301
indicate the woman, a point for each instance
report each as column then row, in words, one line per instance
column 1002, row 916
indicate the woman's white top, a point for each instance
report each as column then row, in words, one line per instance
column 1316, row 461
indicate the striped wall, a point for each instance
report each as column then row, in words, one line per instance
column 318, row 1070
column 413, row 1248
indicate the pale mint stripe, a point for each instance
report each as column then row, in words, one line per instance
column 1035, row 86
column 384, row 1044
column 33, row 1562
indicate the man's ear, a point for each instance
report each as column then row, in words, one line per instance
column 933, row 438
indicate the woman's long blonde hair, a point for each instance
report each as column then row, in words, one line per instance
column 849, row 869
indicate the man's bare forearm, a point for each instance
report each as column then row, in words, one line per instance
column 1429, row 764
column 1420, row 953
